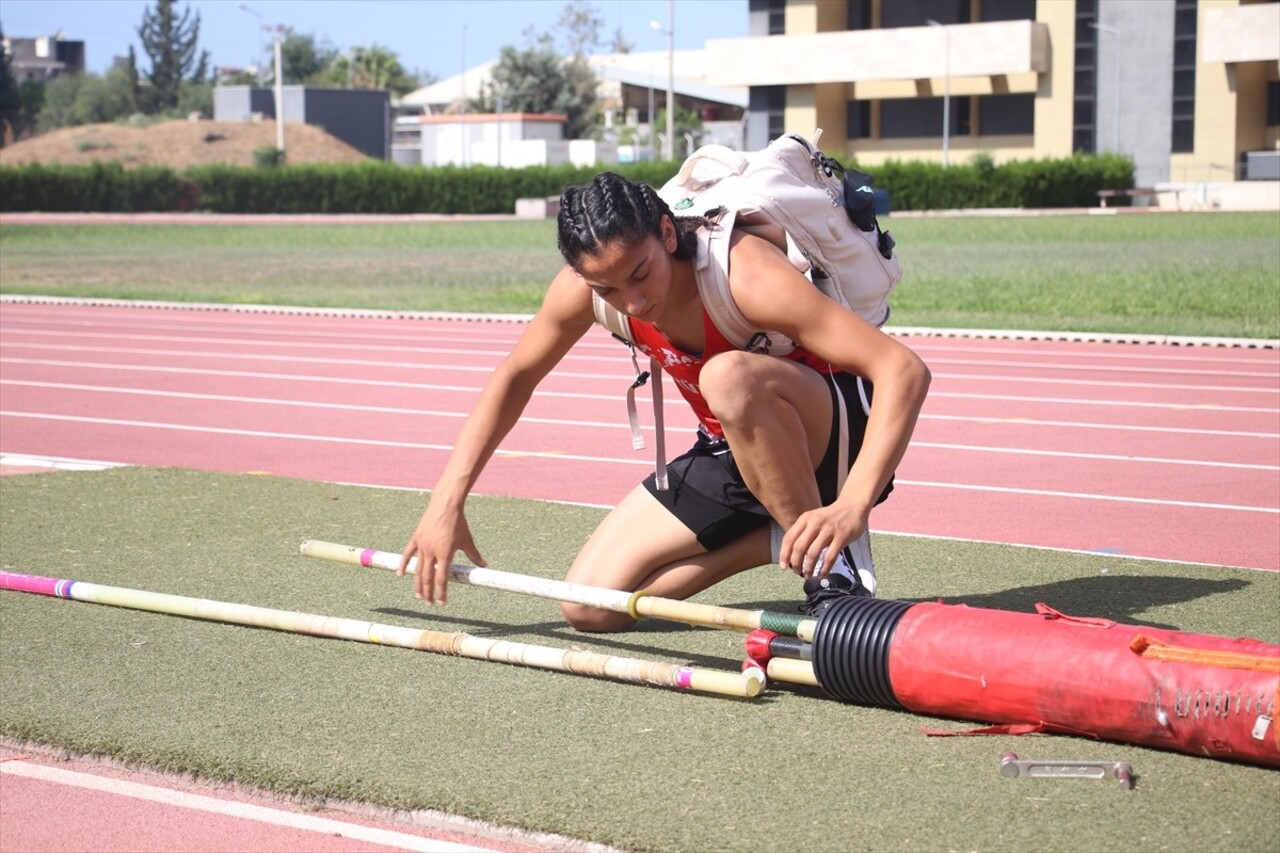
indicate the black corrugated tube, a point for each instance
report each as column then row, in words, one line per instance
column 851, row 649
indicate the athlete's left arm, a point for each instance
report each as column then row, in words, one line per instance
column 773, row 295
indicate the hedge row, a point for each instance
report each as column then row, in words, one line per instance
column 379, row 187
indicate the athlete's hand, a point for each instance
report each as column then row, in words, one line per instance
column 439, row 536
column 825, row 529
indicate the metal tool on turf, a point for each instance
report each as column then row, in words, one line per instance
column 1014, row 767
column 637, row 604
column 743, row 684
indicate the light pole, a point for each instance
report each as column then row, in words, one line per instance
column 946, row 92
column 668, row 145
column 278, row 31
column 1115, row 45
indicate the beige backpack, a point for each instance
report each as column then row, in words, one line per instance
column 804, row 202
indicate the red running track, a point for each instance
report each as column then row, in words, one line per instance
column 1149, row 451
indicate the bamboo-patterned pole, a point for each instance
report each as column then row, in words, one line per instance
column 741, row 684
column 637, row 604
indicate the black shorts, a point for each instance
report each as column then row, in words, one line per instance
column 706, row 489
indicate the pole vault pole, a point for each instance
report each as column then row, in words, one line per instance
column 638, row 604
column 745, row 684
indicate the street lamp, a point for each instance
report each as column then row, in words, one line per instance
column 1115, row 44
column 946, row 92
column 668, row 145
column 278, row 31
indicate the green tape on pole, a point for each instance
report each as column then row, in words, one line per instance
column 781, row 623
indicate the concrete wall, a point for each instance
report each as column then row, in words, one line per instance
column 1145, row 115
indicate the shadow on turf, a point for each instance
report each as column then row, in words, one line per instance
column 562, row 634
column 1123, row 598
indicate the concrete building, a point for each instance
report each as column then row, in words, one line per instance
column 43, row 58
column 1187, row 89
column 512, row 140
column 632, row 91
column 359, row 117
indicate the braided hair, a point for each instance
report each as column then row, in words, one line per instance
column 610, row 208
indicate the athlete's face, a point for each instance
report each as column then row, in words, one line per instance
column 633, row 276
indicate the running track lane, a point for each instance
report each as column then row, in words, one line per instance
column 1149, row 451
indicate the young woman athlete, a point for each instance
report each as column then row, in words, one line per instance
column 762, row 483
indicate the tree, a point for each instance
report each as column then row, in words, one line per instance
column 303, row 59
column 10, row 99
column 540, row 79
column 75, row 99
column 170, row 43
column 373, row 67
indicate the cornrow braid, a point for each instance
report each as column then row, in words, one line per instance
column 610, row 208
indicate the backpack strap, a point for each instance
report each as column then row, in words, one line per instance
column 712, row 274
column 617, row 324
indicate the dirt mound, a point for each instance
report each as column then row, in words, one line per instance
column 178, row 145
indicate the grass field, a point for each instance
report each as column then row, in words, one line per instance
column 1192, row 274
column 636, row 767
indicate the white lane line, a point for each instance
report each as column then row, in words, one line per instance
column 1109, row 457
column 276, row 401
column 301, row 359
column 328, row 439
column 673, row 401
column 986, row 419
column 229, row 808
column 303, row 377
column 60, row 463
column 1106, row 555
column 501, row 350
column 974, row 487
column 1082, row 401
column 619, row 424
column 924, row 332
column 1096, row 368
column 63, row 347
column 581, row 458
column 147, row 331
column 1099, row 383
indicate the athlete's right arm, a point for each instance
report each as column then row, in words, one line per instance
column 565, row 316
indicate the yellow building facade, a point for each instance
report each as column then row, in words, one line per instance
column 1187, row 88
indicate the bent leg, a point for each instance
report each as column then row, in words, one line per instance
column 776, row 415
column 641, row 545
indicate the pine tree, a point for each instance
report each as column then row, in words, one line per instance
column 170, row 42
column 10, row 98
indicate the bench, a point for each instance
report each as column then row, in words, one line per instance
column 1135, row 192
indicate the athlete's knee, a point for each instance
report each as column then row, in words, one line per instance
column 731, row 381
column 594, row 620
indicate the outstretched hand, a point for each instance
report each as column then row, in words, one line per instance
column 826, row 529
column 439, row 536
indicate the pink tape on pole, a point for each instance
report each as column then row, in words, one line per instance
column 366, row 557
column 684, row 677
column 36, row 584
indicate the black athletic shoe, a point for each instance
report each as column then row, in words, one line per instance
column 821, row 593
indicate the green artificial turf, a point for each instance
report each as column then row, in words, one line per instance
column 1187, row 274
column 637, row 767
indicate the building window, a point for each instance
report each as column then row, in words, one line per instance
column 917, row 13
column 858, row 15
column 1085, row 107
column 777, row 17
column 858, row 120
column 1007, row 115
column 1273, row 103
column 767, row 119
column 921, row 118
column 1183, row 132
column 1007, row 10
